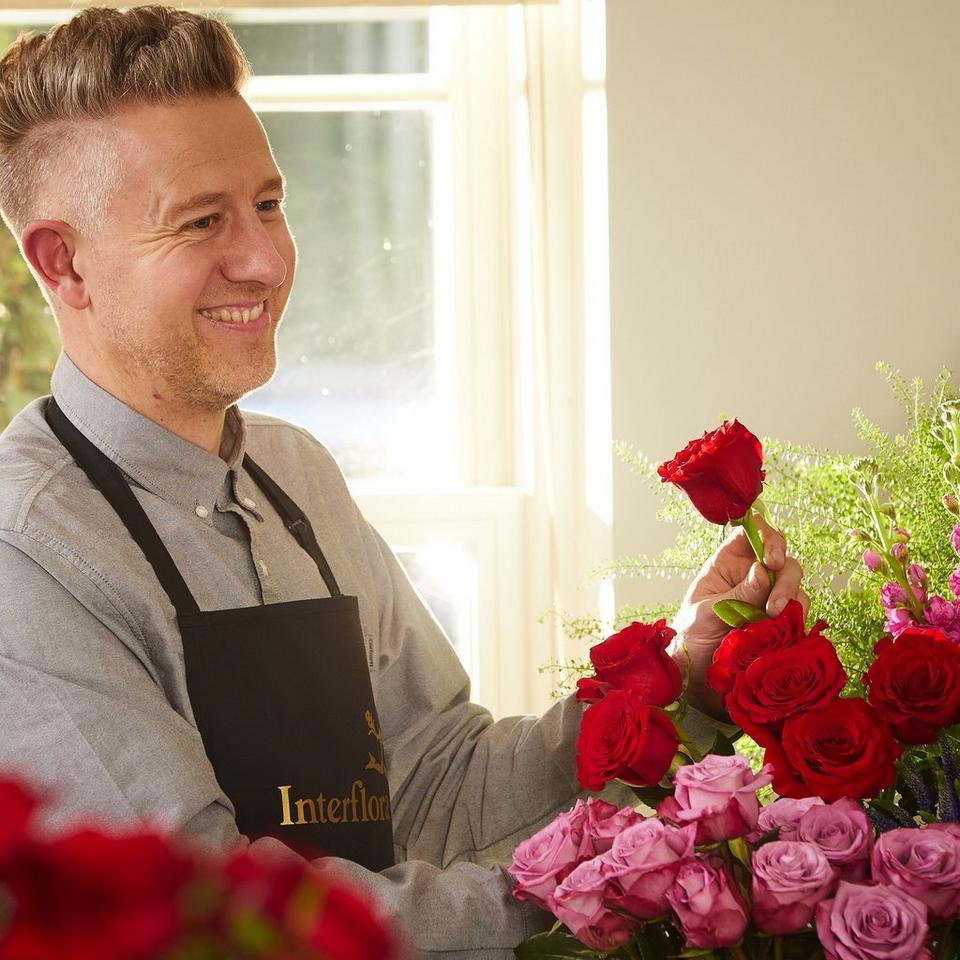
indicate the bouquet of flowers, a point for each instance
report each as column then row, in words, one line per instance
column 89, row 894
column 858, row 859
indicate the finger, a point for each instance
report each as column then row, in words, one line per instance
column 754, row 587
column 774, row 545
column 786, row 588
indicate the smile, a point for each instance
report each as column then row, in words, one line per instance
column 234, row 314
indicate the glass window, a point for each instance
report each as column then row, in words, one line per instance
column 357, row 345
column 282, row 49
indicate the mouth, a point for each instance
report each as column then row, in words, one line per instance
column 239, row 319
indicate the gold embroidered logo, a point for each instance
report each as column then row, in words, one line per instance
column 372, row 762
column 358, row 807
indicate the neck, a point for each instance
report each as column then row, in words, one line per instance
column 201, row 426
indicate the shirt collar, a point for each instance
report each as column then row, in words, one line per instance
column 163, row 463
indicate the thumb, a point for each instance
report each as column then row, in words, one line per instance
column 754, row 588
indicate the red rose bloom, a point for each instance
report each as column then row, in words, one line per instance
column 636, row 658
column 915, row 684
column 16, row 811
column 745, row 644
column 778, row 685
column 90, row 895
column 721, row 473
column 844, row 749
column 623, row 738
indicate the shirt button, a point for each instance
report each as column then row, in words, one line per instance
column 202, row 511
column 248, row 503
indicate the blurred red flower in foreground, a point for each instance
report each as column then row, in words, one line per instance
column 91, row 895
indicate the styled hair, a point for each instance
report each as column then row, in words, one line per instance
column 53, row 84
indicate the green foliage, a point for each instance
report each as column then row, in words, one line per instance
column 28, row 336
column 810, row 495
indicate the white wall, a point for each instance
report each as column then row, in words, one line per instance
column 785, row 211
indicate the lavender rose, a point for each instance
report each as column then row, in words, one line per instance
column 922, row 863
column 643, row 864
column 707, row 904
column 541, row 862
column 783, row 815
column 842, row 832
column 789, row 879
column 719, row 794
column 579, row 901
column 872, row 923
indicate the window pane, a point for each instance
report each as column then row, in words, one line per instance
column 445, row 575
column 357, row 346
column 281, row 49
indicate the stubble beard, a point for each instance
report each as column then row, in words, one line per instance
column 184, row 368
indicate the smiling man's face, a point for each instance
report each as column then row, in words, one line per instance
column 193, row 264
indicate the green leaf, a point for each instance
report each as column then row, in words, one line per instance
column 736, row 613
column 724, row 746
column 555, row 945
column 651, row 796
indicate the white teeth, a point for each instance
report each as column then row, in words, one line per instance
column 231, row 315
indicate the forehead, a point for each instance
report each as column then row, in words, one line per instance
column 171, row 151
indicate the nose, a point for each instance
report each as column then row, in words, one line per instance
column 253, row 254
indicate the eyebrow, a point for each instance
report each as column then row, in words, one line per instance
column 199, row 200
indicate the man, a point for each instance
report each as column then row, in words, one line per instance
column 197, row 627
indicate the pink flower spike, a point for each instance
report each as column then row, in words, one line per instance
column 955, row 538
column 917, row 576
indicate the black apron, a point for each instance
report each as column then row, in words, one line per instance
column 281, row 692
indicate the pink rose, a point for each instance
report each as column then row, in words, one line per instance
column 596, row 822
column 789, row 879
column 541, row 862
column 707, row 904
column 643, row 864
column 719, row 794
column 579, row 901
column 922, row 863
column 603, row 823
column 783, row 815
column 872, row 923
column 843, row 834
column 952, row 828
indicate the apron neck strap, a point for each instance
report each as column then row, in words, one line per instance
column 107, row 477
column 295, row 520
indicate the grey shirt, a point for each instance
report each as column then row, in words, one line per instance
column 93, row 698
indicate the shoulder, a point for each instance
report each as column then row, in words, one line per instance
column 289, row 450
column 31, row 459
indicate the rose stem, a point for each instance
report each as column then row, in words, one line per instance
column 749, row 524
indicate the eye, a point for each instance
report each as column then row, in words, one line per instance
column 203, row 223
column 264, row 206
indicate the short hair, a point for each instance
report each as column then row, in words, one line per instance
column 87, row 68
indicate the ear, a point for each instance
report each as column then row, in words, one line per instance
column 50, row 246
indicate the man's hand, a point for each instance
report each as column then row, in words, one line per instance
column 732, row 573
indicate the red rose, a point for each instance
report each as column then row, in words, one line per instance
column 623, row 738
column 778, row 685
column 915, row 684
column 347, row 929
column 88, row 895
column 16, row 811
column 743, row 645
column 841, row 750
column 636, row 658
column 721, row 473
